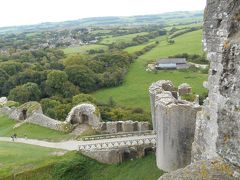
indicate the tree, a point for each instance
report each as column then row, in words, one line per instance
column 170, row 41
column 82, row 76
column 25, row 93
column 57, row 84
column 48, row 106
column 3, row 78
column 11, row 67
column 56, row 79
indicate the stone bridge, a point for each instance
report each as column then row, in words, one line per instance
column 108, row 148
column 120, row 142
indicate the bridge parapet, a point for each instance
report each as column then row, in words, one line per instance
column 119, row 144
column 118, row 135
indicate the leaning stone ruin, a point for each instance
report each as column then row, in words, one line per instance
column 216, row 146
column 174, row 122
column 84, row 114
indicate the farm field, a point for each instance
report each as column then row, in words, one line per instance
column 30, row 131
column 134, row 91
column 83, row 49
column 125, row 38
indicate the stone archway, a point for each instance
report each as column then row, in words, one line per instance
column 85, row 113
column 23, row 114
column 84, row 118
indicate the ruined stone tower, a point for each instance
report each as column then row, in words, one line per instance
column 174, row 122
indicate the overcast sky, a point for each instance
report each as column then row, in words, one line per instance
column 19, row 12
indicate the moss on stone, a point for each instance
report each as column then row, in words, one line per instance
column 31, row 106
column 11, row 104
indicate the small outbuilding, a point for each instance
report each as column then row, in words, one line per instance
column 171, row 63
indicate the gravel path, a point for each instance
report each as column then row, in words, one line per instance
column 71, row 144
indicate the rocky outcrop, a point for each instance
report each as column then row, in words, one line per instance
column 217, row 133
column 174, row 122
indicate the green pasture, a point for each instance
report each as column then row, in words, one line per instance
column 84, row 48
column 134, row 91
column 118, row 39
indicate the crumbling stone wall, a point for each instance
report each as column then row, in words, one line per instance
column 174, row 122
column 216, row 147
column 84, row 113
column 44, row 121
column 31, row 112
column 123, row 126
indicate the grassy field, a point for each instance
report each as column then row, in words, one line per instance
column 125, row 38
column 83, row 49
column 16, row 158
column 30, row 131
column 134, row 91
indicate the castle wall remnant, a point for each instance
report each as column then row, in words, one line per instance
column 123, row 126
column 84, row 113
column 31, row 112
column 174, row 122
column 216, row 147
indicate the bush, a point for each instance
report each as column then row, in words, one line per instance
column 80, row 98
column 25, row 93
column 189, row 97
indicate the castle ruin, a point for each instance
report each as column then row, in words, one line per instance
column 216, row 147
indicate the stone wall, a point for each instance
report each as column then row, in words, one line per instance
column 33, row 115
column 218, row 125
column 216, row 147
column 174, row 121
column 123, row 126
column 44, row 121
column 119, row 155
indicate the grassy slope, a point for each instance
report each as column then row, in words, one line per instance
column 83, row 49
column 134, row 91
column 125, row 38
column 30, row 130
column 75, row 167
column 16, row 157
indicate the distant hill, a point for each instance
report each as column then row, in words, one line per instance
column 183, row 17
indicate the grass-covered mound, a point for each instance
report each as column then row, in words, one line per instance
column 75, row 166
column 17, row 158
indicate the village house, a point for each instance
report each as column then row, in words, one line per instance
column 171, row 63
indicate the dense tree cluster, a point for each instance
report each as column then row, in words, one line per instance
column 52, row 74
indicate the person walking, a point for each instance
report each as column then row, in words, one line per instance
column 12, row 138
column 15, row 135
